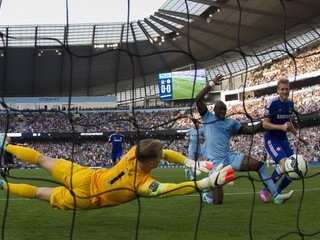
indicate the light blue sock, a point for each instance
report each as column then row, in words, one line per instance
column 276, row 175
column 189, row 174
column 268, row 181
column 2, row 182
column 207, row 198
column 3, row 141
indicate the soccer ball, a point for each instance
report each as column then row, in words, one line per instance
column 296, row 167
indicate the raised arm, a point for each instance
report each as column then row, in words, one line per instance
column 250, row 130
column 201, row 105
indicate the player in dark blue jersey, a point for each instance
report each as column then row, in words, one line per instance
column 118, row 145
column 277, row 123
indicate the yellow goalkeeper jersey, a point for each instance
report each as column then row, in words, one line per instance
column 121, row 183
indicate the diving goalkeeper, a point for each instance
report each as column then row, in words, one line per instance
column 84, row 188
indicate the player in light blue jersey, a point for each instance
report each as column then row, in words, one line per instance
column 194, row 137
column 277, row 122
column 218, row 131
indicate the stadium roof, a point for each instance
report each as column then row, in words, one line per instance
column 104, row 58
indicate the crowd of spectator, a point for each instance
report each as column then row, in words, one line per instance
column 306, row 60
column 306, row 101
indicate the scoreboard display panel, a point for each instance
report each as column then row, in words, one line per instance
column 181, row 84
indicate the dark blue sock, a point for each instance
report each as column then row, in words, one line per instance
column 276, row 175
column 284, row 183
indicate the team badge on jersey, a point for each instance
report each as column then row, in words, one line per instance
column 153, row 188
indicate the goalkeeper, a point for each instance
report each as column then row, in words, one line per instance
column 84, row 188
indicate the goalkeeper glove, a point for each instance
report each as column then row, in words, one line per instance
column 198, row 166
column 219, row 177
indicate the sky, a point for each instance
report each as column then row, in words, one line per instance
column 25, row 12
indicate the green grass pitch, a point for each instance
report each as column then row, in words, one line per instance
column 182, row 87
column 171, row 218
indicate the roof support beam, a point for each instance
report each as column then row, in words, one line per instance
column 229, row 6
column 183, row 34
column 164, row 62
column 90, row 60
column 116, row 77
column 217, row 22
column 34, row 63
column 139, row 61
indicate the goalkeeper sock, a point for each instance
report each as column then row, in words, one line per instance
column 284, row 183
column 22, row 190
column 25, row 154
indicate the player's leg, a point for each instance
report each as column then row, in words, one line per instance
column 32, row 156
column 27, row 154
column 113, row 159
column 188, row 173
column 119, row 156
column 285, row 180
column 76, row 184
column 4, row 141
column 27, row 191
column 213, row 197
column 276, row 152
column 251, row 164
column 7, row 162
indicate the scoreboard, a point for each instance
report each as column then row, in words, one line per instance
column 181, row 84
column 165, row 86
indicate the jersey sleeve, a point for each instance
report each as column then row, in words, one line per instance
column 236, row 125
column 201, row 131
column 173, row 156
column 269, row 108
column 188, row 133
column 164, row 190
column 110, row 138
